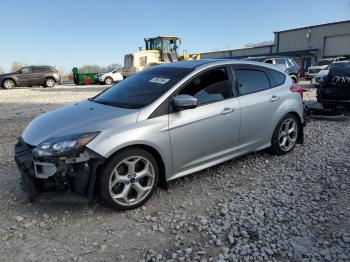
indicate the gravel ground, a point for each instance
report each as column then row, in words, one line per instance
column 256, row 208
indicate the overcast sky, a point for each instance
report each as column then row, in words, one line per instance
column 71, row 33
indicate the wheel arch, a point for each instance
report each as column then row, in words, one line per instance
column 50, row 77
column 293, row 75
column 9, row 78
column 162, row 183
column 300, row 139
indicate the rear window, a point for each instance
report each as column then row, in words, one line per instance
column 280, row 61
column 251, row 81
column 277, row 78
column 142, row 88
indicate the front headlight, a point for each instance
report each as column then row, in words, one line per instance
column 57, row 146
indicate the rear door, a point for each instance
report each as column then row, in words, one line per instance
column 209, row 131
column 259, row 98
column 38, row 75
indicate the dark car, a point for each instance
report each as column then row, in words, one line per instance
column 46, row 76
column 291, row 67
column 334, row 89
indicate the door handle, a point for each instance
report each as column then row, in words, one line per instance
column 274, row 98
column 227, row 111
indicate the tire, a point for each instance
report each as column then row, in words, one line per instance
column 108, row 81
column 8, row 84
column 284, row 139
column 128, row 179
column 50, row 82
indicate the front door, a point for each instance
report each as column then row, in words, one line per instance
column 25, row 76
column 209, row 131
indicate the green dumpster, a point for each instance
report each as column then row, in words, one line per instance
column 83, row 78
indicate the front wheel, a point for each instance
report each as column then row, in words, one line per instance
column 129, row 179
column 108, row 81
column 285, row 135
column 8, row 84
column 50, row 82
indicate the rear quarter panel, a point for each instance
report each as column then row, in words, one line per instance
column 291, row 102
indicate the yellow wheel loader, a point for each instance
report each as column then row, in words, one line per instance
column 158, row 50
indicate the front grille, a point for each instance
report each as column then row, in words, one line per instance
column 314, row 71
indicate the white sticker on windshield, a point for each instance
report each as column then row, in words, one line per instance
column 159, row 80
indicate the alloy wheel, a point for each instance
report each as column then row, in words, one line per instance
column 131, row 180
column 288, row 134
column 50, row 82
column 9, row 84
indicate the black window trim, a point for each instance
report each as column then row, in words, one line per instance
column 164, row 108
column 255, row 68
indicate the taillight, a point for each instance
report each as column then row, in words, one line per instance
column 298, row 89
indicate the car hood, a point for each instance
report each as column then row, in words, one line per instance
column 7, row 74
column 82, row 117
column 322, row 73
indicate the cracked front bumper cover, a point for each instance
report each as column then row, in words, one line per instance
column 76, row 173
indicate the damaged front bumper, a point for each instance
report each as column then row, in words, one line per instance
column 75, row 173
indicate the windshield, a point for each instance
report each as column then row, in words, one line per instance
column 322, row 63
column 143, row 88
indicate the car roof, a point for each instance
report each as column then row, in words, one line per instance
column 189, row 64
column 196, row 64
column 341, row 62
column 267, row 57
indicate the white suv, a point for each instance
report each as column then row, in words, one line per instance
column 109, row 78
column 320, row 65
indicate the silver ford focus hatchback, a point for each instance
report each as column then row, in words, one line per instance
column 163, row 123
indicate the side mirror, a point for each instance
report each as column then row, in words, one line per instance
column 182, row 102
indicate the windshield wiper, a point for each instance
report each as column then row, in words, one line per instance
column 101, row 102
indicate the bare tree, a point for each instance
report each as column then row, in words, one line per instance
column 16, row 66
column 98, row 69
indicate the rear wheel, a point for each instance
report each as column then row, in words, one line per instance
column 50, row 82
column 9, row 84
column 285, row 135
column 108, row 81
column 129, row 179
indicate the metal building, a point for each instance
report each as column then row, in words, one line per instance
column 305, row 45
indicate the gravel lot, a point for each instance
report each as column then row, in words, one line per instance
column 258, row 207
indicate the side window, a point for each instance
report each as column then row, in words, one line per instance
column 209, row 87
column 251, row 81
column 37, row 70
column 269, row 61
column 278, row 78
column 26, row 70
column 280, row 61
